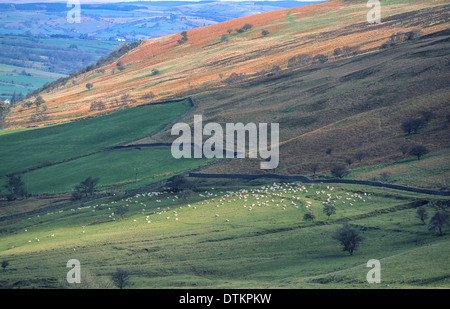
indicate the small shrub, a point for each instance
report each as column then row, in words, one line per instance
column 235, row 78
column 339, row 171
column 309, row 217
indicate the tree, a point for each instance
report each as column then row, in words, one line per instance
column 339, row 171
column 299, row 60
column 184, row 38
column 120, row 278
column 337, row 52
column 76, row 195
column 16, row 188
column 97, row 105
column 418, row 150
column 224, row 38
column 309, row 216
column 28, row 104
column 438, row 221
column 264, row 32
column 347, row 51
column 329, row 210
column 360, row 155
column 413, row 125
column 89, row 86
column 349, row 161
column 179, row 183
column 235, row 78
column 247, row 27
column 348, row 237
column 185, row 194
column 39, row 100
column 422, row 213
column 320, row 58
column 120, row 66
column 121, row 210
column 87, row 186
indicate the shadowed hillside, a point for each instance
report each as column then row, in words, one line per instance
column 350, row 111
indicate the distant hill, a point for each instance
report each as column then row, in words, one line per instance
column 127, row 20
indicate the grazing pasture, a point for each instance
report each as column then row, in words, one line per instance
column 230, row 235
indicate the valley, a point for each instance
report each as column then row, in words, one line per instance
column 88, row 172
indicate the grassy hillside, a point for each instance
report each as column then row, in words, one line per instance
column 54, row 159
column 63, row 142
column 252, row 235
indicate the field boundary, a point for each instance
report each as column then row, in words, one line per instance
column 309, row 180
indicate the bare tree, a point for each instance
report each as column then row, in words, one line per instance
column 438, row 221
column 422, row 213
column 121, row 278
column 413, row 125
column 418, row 150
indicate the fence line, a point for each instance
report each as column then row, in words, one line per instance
column 308, row 180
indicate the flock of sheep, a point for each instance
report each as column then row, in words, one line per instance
column 279, row 195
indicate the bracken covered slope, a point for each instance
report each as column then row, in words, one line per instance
column 205, row 60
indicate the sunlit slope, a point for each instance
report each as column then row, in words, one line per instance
column 230, row 235
column 205, row 60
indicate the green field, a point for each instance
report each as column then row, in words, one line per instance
column 56, row 158
column 114, row 168
column 230, row 234
column 44, row 146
